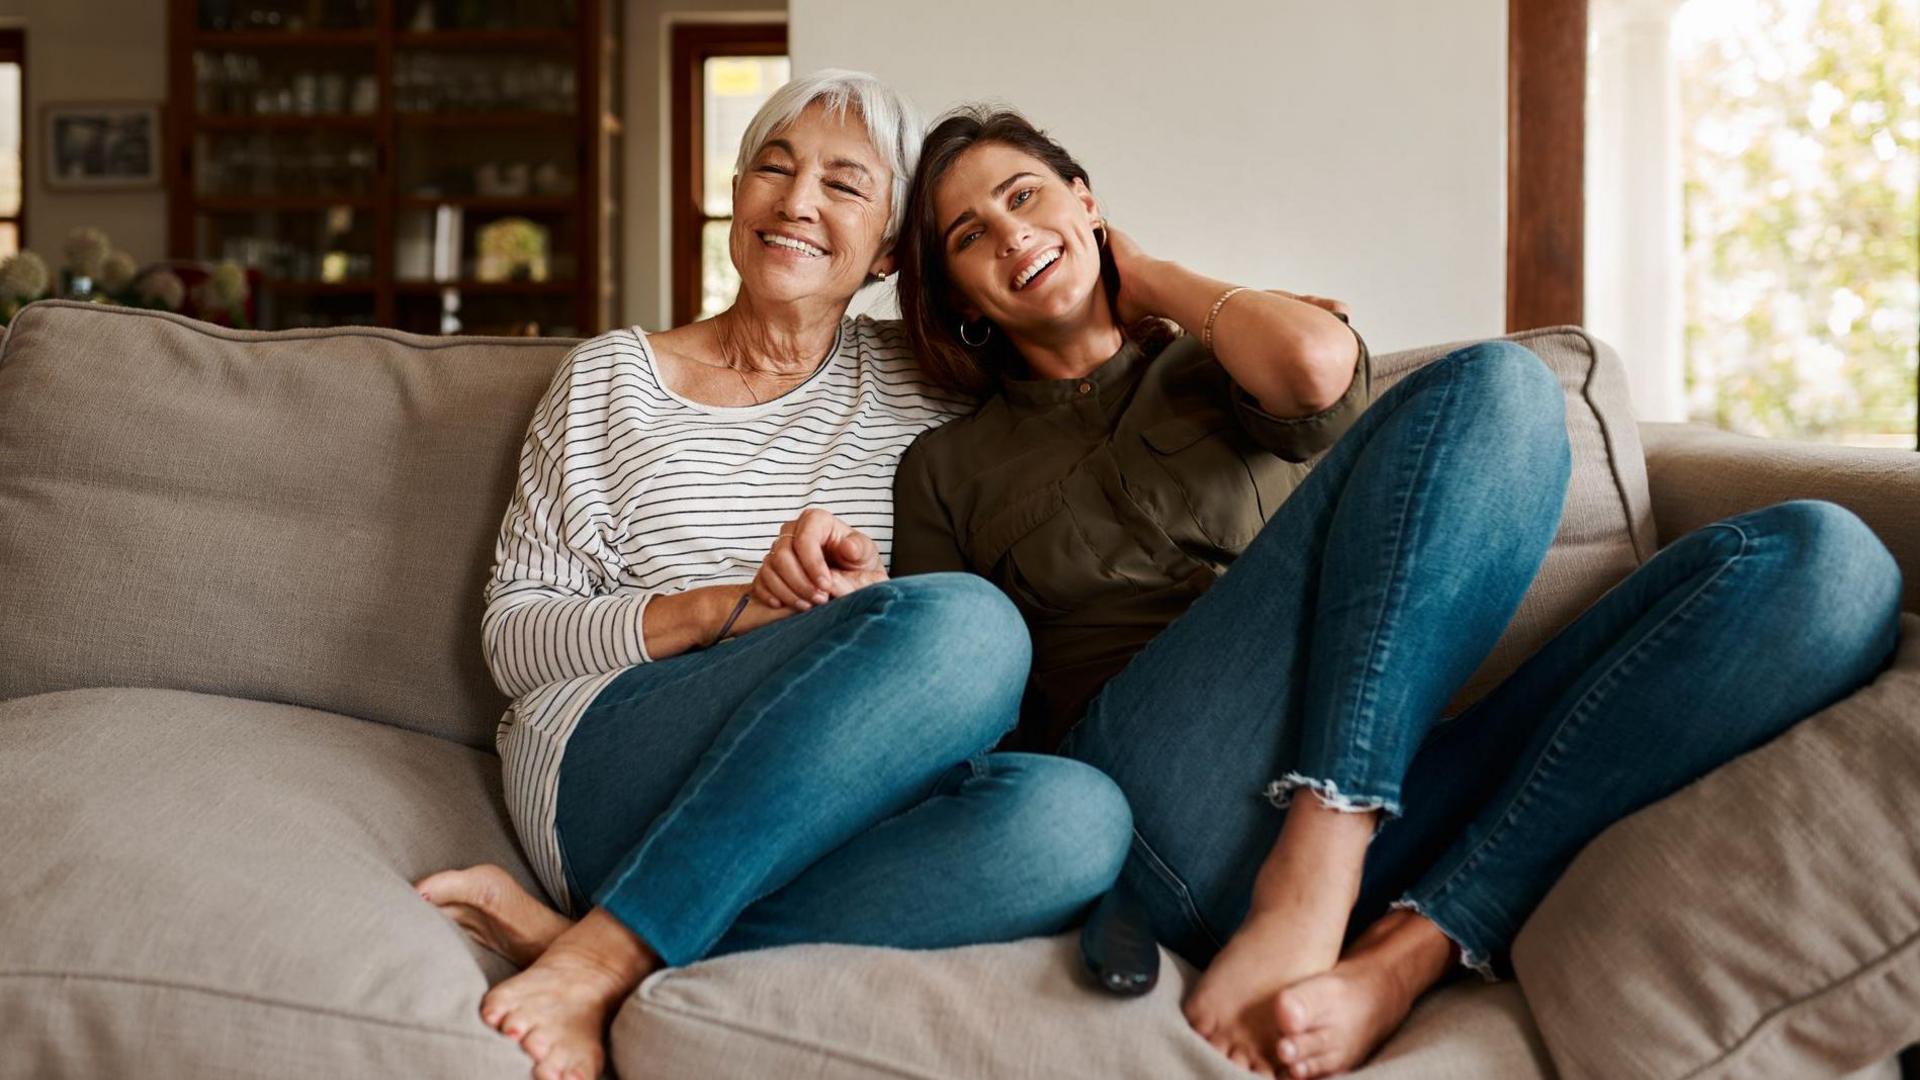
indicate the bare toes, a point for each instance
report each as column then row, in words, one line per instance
column 1315, row 1067
column 1295, row 1048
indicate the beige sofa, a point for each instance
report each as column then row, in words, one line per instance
column 242, row 705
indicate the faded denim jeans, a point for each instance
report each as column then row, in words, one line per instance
column 1325, row 657
column 826, row 779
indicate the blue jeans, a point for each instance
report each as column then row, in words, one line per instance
column 1325, row 657
column 826, row 779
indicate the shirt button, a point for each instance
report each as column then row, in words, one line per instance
column 1086, row 388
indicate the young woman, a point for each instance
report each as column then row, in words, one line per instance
column 1245, row 577
column 826, row 776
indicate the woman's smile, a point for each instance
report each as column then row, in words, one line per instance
column 1033, row 269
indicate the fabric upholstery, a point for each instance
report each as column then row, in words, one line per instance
column 1010, row 1012
column 1606, row 528
column 193, row 886
column 303, row 516
column 1763, row 922
column 1700, row 474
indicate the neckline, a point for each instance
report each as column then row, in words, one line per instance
column 1116, row 370
column 653, row 369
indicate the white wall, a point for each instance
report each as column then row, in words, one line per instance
column 96, row 50
column 1353, row 149
column 646, row 277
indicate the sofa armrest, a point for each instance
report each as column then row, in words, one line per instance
column 1699, row 475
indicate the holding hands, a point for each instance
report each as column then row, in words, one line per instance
column 816, row 558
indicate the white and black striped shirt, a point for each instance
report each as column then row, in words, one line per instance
column 627, row 491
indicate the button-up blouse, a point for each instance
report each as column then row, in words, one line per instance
column 1103, row 506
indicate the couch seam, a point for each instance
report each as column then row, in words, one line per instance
column 779, row 1037
column 251, row 999
column 1607, row 437
column 1860, row 974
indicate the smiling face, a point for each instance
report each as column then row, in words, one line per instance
column 810, row 212
column 1018, row 241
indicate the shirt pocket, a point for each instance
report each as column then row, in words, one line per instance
column 1032, row 549
column 1208, row 461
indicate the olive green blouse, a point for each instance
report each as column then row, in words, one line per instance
column 1103, row 506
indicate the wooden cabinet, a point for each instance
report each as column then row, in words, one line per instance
column 438, row 166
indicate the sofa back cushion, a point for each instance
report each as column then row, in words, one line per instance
column 1607, row 527
column 304, row 516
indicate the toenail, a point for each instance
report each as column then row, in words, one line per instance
column 1287, row 1049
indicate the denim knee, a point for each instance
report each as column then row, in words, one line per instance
column 1069, row 820
column 1841, row 584
column 958, row 634
column 1513, row 378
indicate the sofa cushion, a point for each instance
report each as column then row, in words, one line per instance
column 1762, row 922
column 1606, row 529
column 305, row 516
column 1009, row 1012
column 208, row 887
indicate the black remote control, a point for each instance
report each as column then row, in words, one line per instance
column 1117, row 946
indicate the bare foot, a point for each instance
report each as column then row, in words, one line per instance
column 495, row 911
column 1333, row 1022
column 558, row 1009
column 1232, row 1006
column 1302, row 898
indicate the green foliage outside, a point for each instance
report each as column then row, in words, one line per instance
column 1800, row 163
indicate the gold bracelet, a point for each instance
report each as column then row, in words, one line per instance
column 1206, row 332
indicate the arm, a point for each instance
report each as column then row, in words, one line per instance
column 1294, row 356
column 553, row 611
column 924, row 539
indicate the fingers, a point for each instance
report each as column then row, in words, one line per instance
column 813, row 531
column 856, row 551
column 852, row 581
column 782, row 576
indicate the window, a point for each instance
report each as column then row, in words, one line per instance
column 1753, row 237
column 721, row 76
column 13, row 173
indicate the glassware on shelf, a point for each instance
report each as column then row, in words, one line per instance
column 428, row 82
column 239, row 83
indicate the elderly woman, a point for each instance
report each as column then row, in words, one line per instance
column 826, row 777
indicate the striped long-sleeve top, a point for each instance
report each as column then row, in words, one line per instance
column 627, row 491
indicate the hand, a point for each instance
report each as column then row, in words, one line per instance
column 1338, row 307
column 816, row 557
column 1136, row 269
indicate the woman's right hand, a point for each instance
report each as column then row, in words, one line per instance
column 816, row 558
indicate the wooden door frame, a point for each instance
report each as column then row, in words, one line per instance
column 1546, row 159
column 692, row 44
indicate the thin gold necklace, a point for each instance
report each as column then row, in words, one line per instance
column 742, row 375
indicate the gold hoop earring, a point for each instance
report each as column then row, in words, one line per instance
column 984, row 337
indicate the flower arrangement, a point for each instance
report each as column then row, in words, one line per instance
column 94, row 271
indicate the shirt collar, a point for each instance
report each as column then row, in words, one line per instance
column 1117, row 374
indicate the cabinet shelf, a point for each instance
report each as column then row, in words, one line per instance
column 485, row 39
column 387, row 153
column 243, row 203
column 499, row 288
column 286, row 121
column 280, row 39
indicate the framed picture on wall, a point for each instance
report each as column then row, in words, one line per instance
column 101, row 146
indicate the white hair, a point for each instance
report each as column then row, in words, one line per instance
column 893, row 124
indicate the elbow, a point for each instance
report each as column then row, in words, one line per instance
column 1321, row 375
column 1326, row 374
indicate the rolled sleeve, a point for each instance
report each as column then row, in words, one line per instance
column 1301, row 437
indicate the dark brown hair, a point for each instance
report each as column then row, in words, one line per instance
column 927, row 297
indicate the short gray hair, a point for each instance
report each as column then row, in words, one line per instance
column 893, row 124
